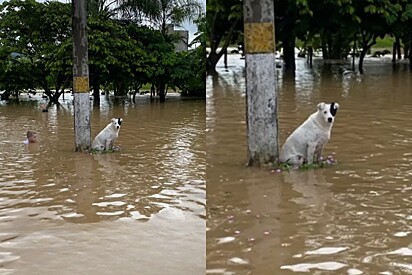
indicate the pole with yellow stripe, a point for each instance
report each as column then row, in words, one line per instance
column 261, row 94
column 82, row 131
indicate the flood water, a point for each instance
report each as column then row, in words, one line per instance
column 351, row 218
column 140, row 210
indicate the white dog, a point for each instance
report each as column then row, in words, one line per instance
column 306, row 143
column 106, row 138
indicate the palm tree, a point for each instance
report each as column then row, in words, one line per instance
column 137, row 10
column 105, row 8
column 161, row 13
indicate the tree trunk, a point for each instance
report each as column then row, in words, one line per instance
column 410, row 59
column 50, row 95
column 399, row 51
column 310, row 56
column 55, row 98
column 393, row 52
column 329, row 45
column 211, row 63
column 225, row 58
column 410, row 50
column 396, row 50
column 325, row 53
column 354, row 54
column 406, row 51
column 162, row 91
column 96, row 91
column 398, row 47
column 361, row 58
column 289, row 54
column 213, row 56
column 152, row 91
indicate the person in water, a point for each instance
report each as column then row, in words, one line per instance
column 31, row 137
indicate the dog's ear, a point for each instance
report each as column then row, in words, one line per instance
column 113, row 120
column 334, row 108
column 120, row 120
column 321, row 106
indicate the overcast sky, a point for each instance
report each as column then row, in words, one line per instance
column 188, row 26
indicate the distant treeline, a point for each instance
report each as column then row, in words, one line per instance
column 125, row 54
column 336, row 27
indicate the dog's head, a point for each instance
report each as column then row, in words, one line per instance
column 117, row 122
column 328, row 111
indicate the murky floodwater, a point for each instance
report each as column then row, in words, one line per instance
column 351, row 218
column 137, row 211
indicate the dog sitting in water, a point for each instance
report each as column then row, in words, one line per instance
column 305, row 145
column 105, row 139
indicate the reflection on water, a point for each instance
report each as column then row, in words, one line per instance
column 141, row 209
column 352, row 218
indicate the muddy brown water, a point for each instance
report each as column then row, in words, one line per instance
column 137, row 211
column 351, row 218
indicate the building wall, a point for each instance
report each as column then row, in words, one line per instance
column 183, row 42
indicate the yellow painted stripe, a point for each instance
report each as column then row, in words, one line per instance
column 81, row 84
column 259, row 37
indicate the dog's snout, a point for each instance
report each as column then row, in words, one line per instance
column 330, row 119
column 118, row 127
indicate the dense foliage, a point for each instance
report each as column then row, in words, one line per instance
column 224, row 26
column 334, row 26
column 36, row 52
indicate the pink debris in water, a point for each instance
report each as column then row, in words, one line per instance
column 237, row 232
column 252, row 239
column 248, row 211
column 267, row 232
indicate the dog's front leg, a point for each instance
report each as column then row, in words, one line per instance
column 107, row 144
column 319, row 153
column 311, row 152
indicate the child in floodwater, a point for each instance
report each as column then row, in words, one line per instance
column 31, row 137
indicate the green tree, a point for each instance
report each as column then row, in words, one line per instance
column 162, row 14
column 224, row 19
column 334, row 24
column 144, row 67
column 111, row 52
column 197, row 60
column 15, row 75
column 36, row 52
column 292, row 18
column 39, row 33
column 375, row 17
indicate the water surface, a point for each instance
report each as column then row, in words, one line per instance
column 140, row 210
column 351, row 218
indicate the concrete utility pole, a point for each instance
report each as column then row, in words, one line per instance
column 261, row 94
column 82, row 130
